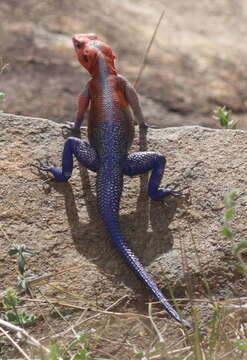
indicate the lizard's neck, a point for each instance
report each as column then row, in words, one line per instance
column 103, row 68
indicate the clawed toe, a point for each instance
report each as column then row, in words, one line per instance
column 162, row 193
column 68, row 125
column 66, row 129
column 69, row 128
column 41, row 166
column 175, row 193
column 172, row 192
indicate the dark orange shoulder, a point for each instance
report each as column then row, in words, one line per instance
column 120, row 88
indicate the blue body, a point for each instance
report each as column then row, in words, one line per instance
column 107, row 155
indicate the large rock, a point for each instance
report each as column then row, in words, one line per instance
column 175, row 239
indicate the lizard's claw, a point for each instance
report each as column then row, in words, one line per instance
column 57, row 173
column 69, row 128
column 175, row 193
column 42, row 166
column 167, row 192
column 162, row 193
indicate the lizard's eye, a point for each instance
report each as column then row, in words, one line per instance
column 86, row 58
column 78, row 45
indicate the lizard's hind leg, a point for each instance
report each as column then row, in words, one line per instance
column 84, row 153
column 141, row 162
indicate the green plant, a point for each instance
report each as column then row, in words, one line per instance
column 2, row 97
column 240, row 248
column 56, row 353
column 223, row 116
column 10, row 301
column 82, row 339
column 2, row 94
column 229, row 202
column 242, row 345
column 20, row 251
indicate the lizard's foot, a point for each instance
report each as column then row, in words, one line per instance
column 59, row 176
column 162, row 193
column 70, row 127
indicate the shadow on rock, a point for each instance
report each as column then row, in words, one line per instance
column 91, row 239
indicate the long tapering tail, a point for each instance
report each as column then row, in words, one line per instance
column 109, row 189
column 121, row 245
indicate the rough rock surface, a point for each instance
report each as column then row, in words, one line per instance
column 60, row 223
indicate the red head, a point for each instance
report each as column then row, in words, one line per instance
column 88, row 49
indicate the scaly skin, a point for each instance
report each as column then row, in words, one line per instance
column 110, row 133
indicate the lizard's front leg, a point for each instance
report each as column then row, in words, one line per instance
column 84, row 153
column 141, row 162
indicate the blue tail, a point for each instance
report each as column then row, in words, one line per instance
column 109, row 189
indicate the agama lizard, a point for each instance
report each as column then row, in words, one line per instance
column 110, row 133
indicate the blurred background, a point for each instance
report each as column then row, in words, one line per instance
column 197, row 61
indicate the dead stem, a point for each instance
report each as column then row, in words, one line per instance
column 144, row 61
